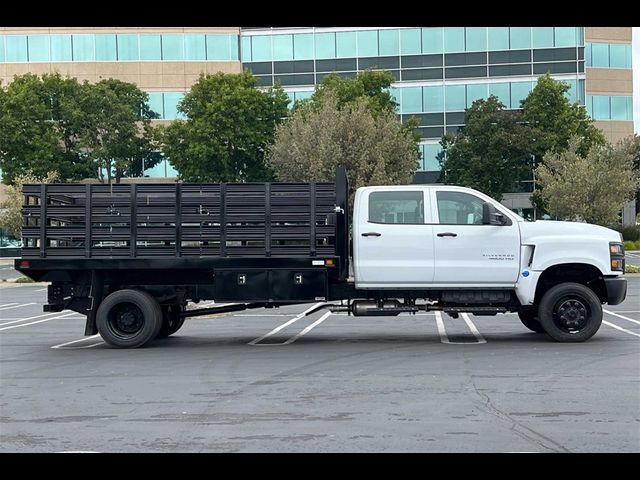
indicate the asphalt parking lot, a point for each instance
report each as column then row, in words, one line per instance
column 263, row 381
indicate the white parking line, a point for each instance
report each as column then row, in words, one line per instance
column 41, row 289
column 16, row 306
column 38, row 321
column 254, row 342
column 444, row 338
column 621, row 316
column 28, row 318
column 308, row 329
column 472, row 327
column 7, row 304
column 76, row 341
column 620, row 328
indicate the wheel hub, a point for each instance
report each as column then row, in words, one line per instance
column 128, row 320
column 571, row 314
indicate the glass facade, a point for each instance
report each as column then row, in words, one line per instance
column 120, row 47
column 438, row 71
column 610, row 107
column 608, row 55
column 165, row 104
column 404, row 41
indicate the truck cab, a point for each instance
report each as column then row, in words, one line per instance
column 449, row 238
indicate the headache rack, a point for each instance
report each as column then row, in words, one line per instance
column 173, row 220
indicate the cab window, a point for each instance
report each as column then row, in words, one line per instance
column 459, row 208
column 397, row 207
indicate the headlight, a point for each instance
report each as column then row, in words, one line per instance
column 616, row 256
column 615, row 249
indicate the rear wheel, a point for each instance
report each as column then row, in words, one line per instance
column 129, row 318
column 529, row 319
column 570, row 312
column 171, row 320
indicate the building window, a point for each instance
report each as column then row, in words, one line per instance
column 454, row 98
column 502, row 91
column 346, row 44
column 600, row 55
column 431, row 153
column 128, row 47
column 106, row 48
column 389, row 42
column 260, row 48
column 195, row 46
column 16, row 48
column 171, row 100
column 368, row 43
column 61, row 49
column 601, row 107
column 411, row 100
column 156, row 103
column 303, row 46
column 519, row 37
column 173, row 47
column 432, row 40
column 246, row 49
column 433, row 99
column 565, row 36
column 476, row 39
column 282, row 47
column 454, row 39
column 39, row 48
column 410, row 41
column 218, row 47
column 542, row 37
column 150, row 47
column 519, row 91
column 498, row 38
column 325, row 45
column 476, row 92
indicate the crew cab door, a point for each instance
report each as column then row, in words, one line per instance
column 466, row 250
column 392, row 239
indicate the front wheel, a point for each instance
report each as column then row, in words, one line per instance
column 529, row 319
column 570, row 312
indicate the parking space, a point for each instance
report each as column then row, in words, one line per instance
column 274, row 380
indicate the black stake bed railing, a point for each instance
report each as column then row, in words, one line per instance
column 181, row 220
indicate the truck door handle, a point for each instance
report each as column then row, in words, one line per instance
column 447, row 234
column 372, row 234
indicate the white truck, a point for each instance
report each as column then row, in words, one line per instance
column 131, row 257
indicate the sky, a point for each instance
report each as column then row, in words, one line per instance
column 636, row 79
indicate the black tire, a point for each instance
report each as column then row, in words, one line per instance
column 570, row 312
column 129, row 318
column 171, row 320
column 529, row 319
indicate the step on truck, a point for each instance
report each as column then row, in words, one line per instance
column 131, row 257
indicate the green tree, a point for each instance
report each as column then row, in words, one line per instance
column 555, row 119
column 591, row 187
column 491, row 153
column 39, row 122
column 117, row 130
column 370, row 84
column 375, row 149
column 11, row 216
column 229, row 122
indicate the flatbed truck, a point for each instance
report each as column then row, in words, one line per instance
column 132, row 256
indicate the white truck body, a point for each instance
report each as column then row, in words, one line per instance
column 432, row 236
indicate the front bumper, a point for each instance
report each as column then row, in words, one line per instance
column 616, row 290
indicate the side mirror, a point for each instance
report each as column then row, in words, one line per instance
column 491, row 216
